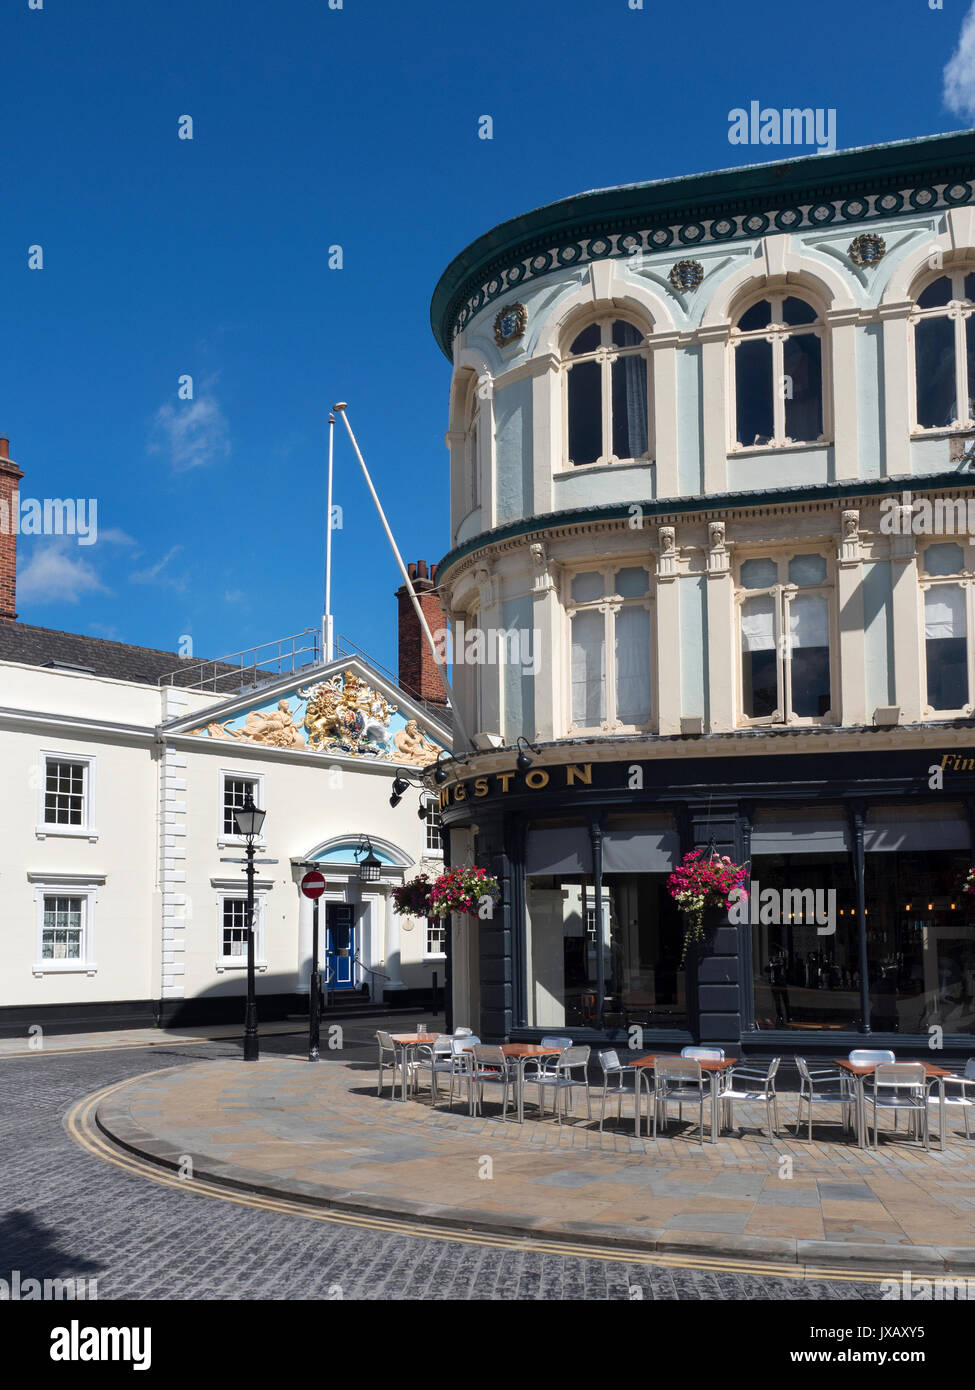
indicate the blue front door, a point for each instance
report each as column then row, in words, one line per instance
column 340, row 946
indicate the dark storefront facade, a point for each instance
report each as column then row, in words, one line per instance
column 856, row 928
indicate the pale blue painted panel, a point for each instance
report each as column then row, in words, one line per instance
column 513, row 450
column 870, row 401
column 930, row 456
column 616, row 482
column 779, row 468
column 690, row 423
column 693, row 650
column 517, row 614
column 878, row 618
column 472, row 525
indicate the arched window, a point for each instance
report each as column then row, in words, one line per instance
column 944, row 352
column 778, row 373
column 607, row 394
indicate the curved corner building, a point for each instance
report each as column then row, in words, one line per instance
column 712, row 555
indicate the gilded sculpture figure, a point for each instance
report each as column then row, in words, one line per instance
column 414, row 747
column 346, row 714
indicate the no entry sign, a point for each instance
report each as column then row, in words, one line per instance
column 313, row 884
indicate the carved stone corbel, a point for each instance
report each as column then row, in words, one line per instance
column 850, row 550
column 719, row 560
column 667, row 559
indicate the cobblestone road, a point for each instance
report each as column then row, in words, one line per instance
column 65, row 1213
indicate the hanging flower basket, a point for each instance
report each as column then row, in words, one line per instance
column 413, row 899
column 461, row 891
column 698, row 884
column 970, row 881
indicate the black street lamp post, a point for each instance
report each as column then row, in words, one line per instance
column 249, row 822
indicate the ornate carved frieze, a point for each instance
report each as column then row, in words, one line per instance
column 668, row 558
column 719, row 560
column 850, row 550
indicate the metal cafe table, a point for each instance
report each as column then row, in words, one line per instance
column 860, row 1070
column 713, row 1067
column 405, row 1042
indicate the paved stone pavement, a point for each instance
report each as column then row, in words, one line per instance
column 64, row 1212
column 322, row 1134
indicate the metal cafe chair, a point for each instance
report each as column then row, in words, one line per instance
column 558, row 1046
column 866, row 1056
column 613, row 1069
column 763, row 1091
column 561, row 1080
column 387, row 1059
column 462, row 1068
column 901, row 1086
column 463, row 1032
column 814, row 1089
column 436, row 1058
column 711, row 1054
column 490, row 1068
column 964, row 1100
column 679, row 1079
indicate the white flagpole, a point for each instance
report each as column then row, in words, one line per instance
column 328, row 645
column 340, row 407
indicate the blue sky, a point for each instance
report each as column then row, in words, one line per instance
column 314, row 127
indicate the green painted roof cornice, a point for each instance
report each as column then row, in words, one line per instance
column 713, row 502
column 850, row 186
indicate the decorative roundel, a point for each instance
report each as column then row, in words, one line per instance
column 629, row 244
column 541, row 263
column 686, row 275
column 515, row 274
column 890, row 202
column 493, row 288
column 854, row 207
column 867, row 249
column 958, row 193
column 822, row 212
column 510, row 324
column 756, row 224
column 923, row 197
column 600, row 247
column 663, row 236
column 476, row 302
column 568, row 254
column 789, row 218
column 692, row 232
column 722, row 228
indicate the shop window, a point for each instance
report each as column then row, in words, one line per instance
column 920, row 942
column 637, row 928
column 805, row 942
column 784, row 634
column 607, row 394
column 610, row 671
column 944, row 352
column 777, row 353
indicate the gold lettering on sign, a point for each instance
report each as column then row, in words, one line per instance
column 481, row 787
column 504, row 778
column 460, row 792
column 445, row 797
column 537, row 778
column 581, row 774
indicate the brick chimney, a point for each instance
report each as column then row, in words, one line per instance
column 418, row 672
column 10, row 476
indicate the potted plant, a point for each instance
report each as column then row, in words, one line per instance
column 412, row 899
column 700, row 883
column 461, row 891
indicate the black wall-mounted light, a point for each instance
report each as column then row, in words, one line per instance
column 370, row 868
column 440, row 773
column 523, row 762
column 400, row 785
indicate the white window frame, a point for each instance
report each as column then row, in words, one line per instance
column 223, row 963
column 964, row 580
column 83, row 886
column 783, row 591
column 606, row 354
column 48, row 829
column 427, row 953
column 224, row 838
column 776, row 332
column 609, row 605
column 432, row 802
column 957, row 310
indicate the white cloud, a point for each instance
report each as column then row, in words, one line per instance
column 56, row 573
column 154, row 573
column 193, row 433
column 114, row 536
column 959, row 73
column 233, row 595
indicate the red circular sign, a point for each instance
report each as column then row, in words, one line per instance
column 313, row 884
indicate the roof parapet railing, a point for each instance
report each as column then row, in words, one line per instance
column 252, row 667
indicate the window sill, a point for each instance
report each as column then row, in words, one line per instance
column 238, row 842
column 220, row 966
column 750, row 450
column 50, row 967
column 572, row 470
column 69, row 832
column 440, row 955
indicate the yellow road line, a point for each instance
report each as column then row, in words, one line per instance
column 80, row 1125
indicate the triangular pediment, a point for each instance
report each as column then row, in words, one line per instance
column 341, row 709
